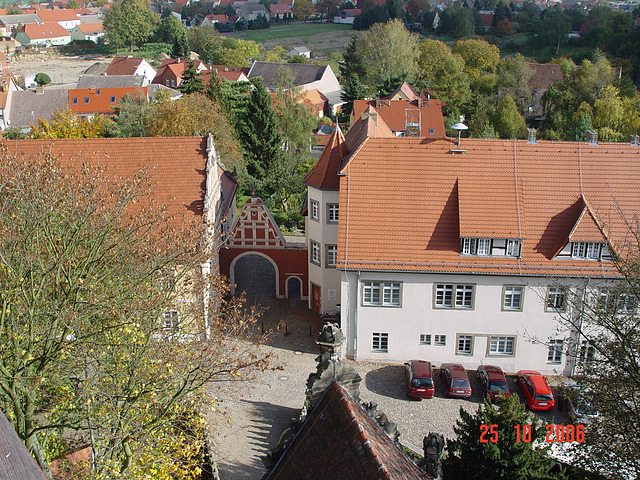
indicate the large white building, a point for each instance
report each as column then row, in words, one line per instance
column 467, row 253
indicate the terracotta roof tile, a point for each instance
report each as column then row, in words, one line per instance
column 123, row 66
column 324, row 174
column 44, row 30
column 344, row 442
column 176, row 165
column 496, row 187
column 58, row 15
column 396, row 114
column 587, row 228
column 91, row 27
column 403, row 89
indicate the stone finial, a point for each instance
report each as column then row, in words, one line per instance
column 330, row 336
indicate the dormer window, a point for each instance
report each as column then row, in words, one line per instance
column 585, row 251
column 491, row 247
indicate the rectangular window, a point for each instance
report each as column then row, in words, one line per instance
column 628, row 303
column 315, row 252
column 168, row 83
column 170, row 320
column 586, row 353
column 74, row 100
column 469, row 246
column 611, row 302
column 331, row 255
column 425, row 339
column 315, row 210
column 484, row 246
column 332, row 213
column 555, row 351
column 371, row 294
column 501, row 345
column 112, row 99
column 588, row 250
column 98, row 91
column 440, row 340
column 512, row 298
column 556, row 299
column 464, row 344
column 513, row 248
column 380, row 343
column 445, row 294
column 86, row 100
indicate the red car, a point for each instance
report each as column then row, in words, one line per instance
column 536, row 390
column 493, row 382
column 456, row 379
column 420, row 379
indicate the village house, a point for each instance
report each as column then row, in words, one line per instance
column 131, row 66
column 347, row 15
column 170, row 72
column 67, row 19
column 9, row 23
column 50, row 33
column 88, row 31
column 466, row 252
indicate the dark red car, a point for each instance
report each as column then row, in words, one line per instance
column 456, row 379
column 536, row 390
column 419, row 379
column 494, row 383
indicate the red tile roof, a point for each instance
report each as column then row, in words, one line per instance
column 324, row 174
column 91, row 27
column 340, row 441
column 408, row 202
column 58, row 15
column 403, row 90
column 279, row 9
column 123, row 66
column 396, row 114
column 44, row 30
column 176, row 165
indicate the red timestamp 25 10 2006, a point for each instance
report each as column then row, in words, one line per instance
column 555, row 433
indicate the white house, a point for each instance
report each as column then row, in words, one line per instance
column 131, row 66
column 50, row 33
column 469, row 252
column 88, row 31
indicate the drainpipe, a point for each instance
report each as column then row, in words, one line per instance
column 355, row 319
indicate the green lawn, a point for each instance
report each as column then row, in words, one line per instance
column 293, row 30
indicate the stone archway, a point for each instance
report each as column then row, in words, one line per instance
column 294, row 288
column 257, row 275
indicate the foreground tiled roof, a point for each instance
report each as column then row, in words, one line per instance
column 176, row 165
column 340, row 441
column 408, row 201
column 324, row 174
column 91, row 27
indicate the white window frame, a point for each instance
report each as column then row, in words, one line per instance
column 380, row 342
column 331, row 256
column 314, row 208
column 464, row 345
column 555, row 293
column 509, row 295
column 586, row 353
column 484, row 247
column 314, row 253
column 502, row 346
column 440, row 340
column 554, row 355
column 513, row 248
column 381, row 294
column 333, row 213
column 459, row 296
column 587, row 250
column 170, row 320
column 469, row 246
column 425, row 339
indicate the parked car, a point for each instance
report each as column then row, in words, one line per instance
column 456, row 379
column 420, row 379
column 536, row 390
column 573, row 399
column 493, row 382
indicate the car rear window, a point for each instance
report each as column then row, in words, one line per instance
column 460, row 383
column 498, row 387
column 422, row 382
column 543, row 397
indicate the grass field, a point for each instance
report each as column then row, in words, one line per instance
column 293, row 30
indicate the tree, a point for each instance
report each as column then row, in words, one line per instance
column 129, row 22
column 303, row 9
column 471, row 458
column 191, row 81
column 132, row 117
column 507, row 121
column 387, row 50
column 65, row 124
column 201, row 38
column 169, row 29
column 480, row 57
column 258, row 133
column 73, row 4
column 89, row 263
column 42, row 79
column 442, row 71
column 180, row 47
column 370, row 16
column 353, row 90
column 416, row 6
column 513, row 79
column 351, row 63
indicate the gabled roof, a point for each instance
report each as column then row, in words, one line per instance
column 44, row 30
column 176, row 165
column 279, row 8
column 344, row 442
column 27, row 106
column 398, row 113
column 544, row 193
column 313, row 97
column 124, row 66
column 403, row 92
column 303, row 73
column 370, row 124
column 114, row 81
column 324, row 174
column 58, row 15
column 87, row 28
column 217, row 18
column 23, row 18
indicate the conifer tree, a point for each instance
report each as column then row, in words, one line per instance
column 473, row 455
column 191, row 82
column 351, row 63
column 353, row 90
column 258, row 133
column 180, row 45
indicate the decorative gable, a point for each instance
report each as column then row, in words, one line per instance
column 256, row 228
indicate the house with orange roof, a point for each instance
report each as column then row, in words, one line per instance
column 468, row 252
column 88, row 31
column 9, row 23
column 280, row 11
column 68, row 19
column 50, row 33
column 231, row 73
column 170, row 72
column 131, row 66
column 211, row 20
column 315, row 102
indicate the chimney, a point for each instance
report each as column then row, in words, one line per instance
column 531, row 135
column 634, row 139
column 592, row 137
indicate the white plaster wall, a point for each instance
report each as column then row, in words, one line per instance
column 325, row 234
column 532, row 327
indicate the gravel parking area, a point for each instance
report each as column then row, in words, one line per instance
column 253, row 414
